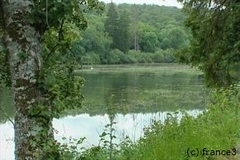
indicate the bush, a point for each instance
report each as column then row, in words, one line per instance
column 91, row 58
column 132, row 59
column 158, row 57
column 114, row 56
column 141, row 57
column 169, row 56
column 118, row 57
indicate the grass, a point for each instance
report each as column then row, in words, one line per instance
column 216, row 129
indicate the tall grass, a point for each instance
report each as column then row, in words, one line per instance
column 215, row 129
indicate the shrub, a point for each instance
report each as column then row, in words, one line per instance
column 114, row 57
column 91, row 58
column 158, row 56
column 169, row 56
column 141, row 57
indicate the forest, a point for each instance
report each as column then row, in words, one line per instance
column 43, row 43
column 128, row 33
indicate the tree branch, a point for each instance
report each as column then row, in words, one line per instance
column 60, row 38
column 49, row 54
column 60, row 33
column 73, row 53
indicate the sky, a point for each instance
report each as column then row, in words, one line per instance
column 157, row 2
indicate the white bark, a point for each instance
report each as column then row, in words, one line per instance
column 24, row 52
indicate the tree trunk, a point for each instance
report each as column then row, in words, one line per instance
column 23, row 46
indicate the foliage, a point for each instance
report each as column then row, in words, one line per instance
column 46, row 15
column 211, row 43
column 111, row 25
column 123, row 29
column 57, row 88
column 56, row 79
column 90, row 58
column 106, row 148
column 93, row 44
column 173, row 37
column 148, row 28
column 145, row 28
column 216, row 128
column 149, row 22
column 115, row 56
column 58, row 32
column 148, row 39
column 117, row 28
column 215, row 42
column 70, row 150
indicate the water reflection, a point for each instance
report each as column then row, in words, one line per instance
column 91, row 127
column 140, row 90
column 140, row 94
column 136, row 89
column 6, row 141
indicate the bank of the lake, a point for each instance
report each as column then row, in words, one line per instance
column 91, row 127
column 213, row 135
column 135, row 93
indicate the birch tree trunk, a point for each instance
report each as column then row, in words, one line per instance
column 23, row 46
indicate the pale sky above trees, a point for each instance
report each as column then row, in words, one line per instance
column 158, row 2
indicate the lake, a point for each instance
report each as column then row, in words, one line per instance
column 136, row 93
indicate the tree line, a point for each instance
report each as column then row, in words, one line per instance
column 130, row 33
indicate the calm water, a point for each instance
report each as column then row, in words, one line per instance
column 141, row 89
column 137, row 94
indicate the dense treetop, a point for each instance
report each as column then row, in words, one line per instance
column 128, row 33
column 215, row 46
